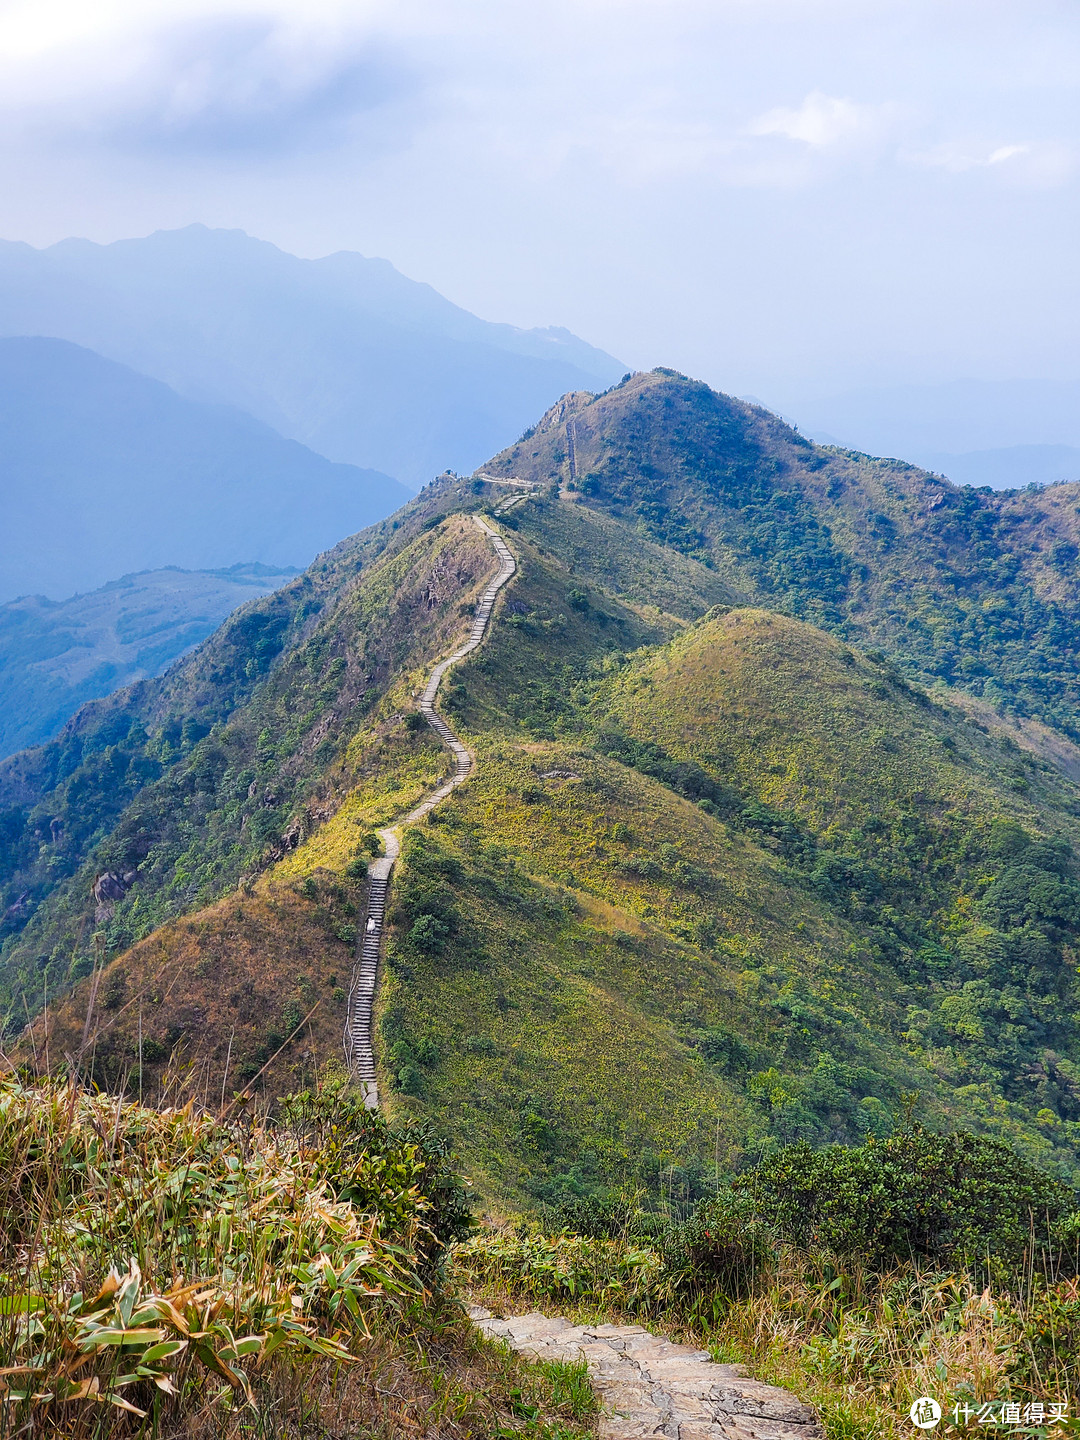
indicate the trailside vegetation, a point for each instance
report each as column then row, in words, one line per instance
column 860, row 1277
column 173, row 1273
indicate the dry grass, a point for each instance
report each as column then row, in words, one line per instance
column 167, row 1273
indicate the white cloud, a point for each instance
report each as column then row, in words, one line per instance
column 821, row 120
column 1007, row 152
column 1042, row 164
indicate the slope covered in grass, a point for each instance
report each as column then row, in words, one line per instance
column 838, row 893
column 213, row 983
column 171, row 1273
column 712, row 886
column 599, row 992
column 178, row 802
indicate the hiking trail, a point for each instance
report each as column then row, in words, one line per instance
column 652, row 1389
column 359, row 1051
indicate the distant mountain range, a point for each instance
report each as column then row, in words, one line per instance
column 1003, row 433
column 105, row 472
column 343, row 354
column 54, row 655
column 1009, row 468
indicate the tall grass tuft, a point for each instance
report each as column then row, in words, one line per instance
column 153, row 1263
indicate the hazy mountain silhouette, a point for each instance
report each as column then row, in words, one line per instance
column 1009, row 468
column 1004, row 433
column 57, row 654
column 104, row 471
column 344, row 353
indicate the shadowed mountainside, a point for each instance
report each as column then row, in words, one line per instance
column 343, row 353
column 57, row 654
column 106, row 472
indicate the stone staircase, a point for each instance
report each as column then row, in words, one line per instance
column 357, row 1040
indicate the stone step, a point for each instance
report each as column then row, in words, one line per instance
column 357, row 1035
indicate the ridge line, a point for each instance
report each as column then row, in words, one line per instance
column 357, row 1039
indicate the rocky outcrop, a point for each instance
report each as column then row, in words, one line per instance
column 18, row 910
column 110, row 887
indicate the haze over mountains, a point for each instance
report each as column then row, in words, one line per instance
column 201, row 400
column 106, row 472
column 54, row 655
column 343, row 354
column 1003, row 433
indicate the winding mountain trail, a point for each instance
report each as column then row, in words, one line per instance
column 650, row 1388
column 359, row 1051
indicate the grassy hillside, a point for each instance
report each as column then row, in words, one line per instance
column 766, row 891
column 720, row 880
column 974, row 589
column 714, row 886
column 180, row 788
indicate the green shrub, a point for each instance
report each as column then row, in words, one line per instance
column 949, row 1199
column 719, row 1253
column 429, row 934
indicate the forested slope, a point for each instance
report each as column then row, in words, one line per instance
column 973, row 588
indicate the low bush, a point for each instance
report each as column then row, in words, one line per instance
column 944, row 1199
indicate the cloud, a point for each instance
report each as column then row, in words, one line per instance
column 240, row 83
column 1042, row 164
column 821, row 120
column 1007, row 152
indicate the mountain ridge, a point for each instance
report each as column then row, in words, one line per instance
column 57, row 654
column 722, row 879
column 107, row 471
column 330, row 352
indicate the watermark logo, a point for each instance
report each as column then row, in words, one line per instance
column 925, row 1412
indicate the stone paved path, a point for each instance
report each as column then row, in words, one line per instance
column 651, row 1387
column 357, row 1040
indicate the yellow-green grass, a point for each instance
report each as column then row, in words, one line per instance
column 816, row 729
column 576, row 991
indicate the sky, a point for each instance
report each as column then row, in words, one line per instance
column 787, row 198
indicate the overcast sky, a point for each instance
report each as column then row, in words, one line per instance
column 785, row 197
